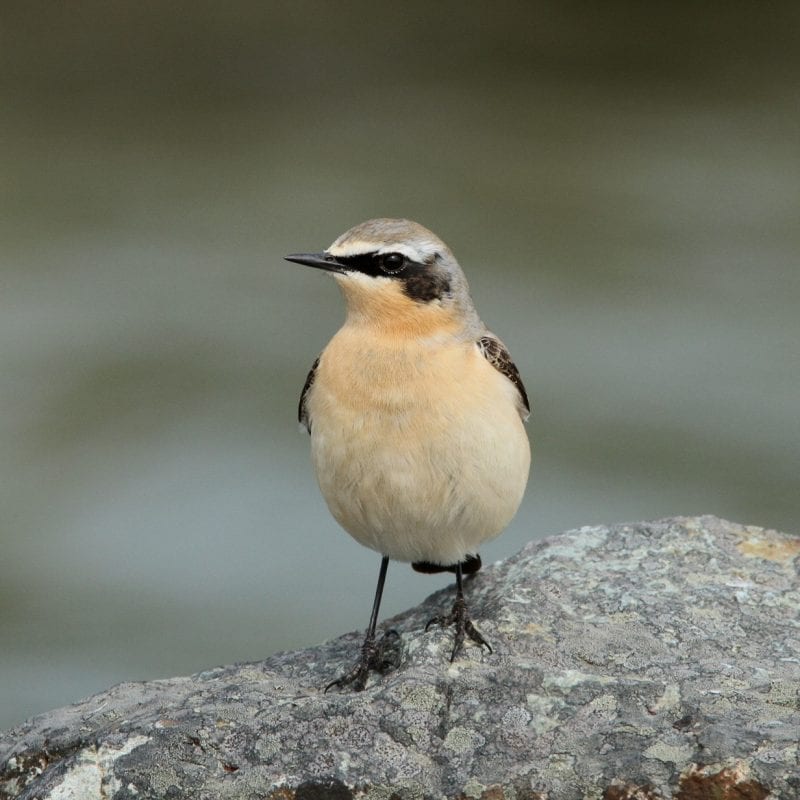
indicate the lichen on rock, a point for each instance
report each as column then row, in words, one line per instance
column 648, row 661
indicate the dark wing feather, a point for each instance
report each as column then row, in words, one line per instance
column 494, row 351
column 302, row 411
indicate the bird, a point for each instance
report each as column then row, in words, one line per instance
column 416, row 416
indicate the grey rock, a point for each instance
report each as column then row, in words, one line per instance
column 650, row 660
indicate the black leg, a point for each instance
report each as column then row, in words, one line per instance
column 376, row 603
column 459, row 617
column 372, row 652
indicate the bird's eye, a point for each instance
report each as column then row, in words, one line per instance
column 392, row 262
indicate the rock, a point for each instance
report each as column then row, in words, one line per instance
column 642, row 661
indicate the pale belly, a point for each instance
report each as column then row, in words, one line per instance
column 413, row 466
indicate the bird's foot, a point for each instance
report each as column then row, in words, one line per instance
column 459, row 617
column 376, row 656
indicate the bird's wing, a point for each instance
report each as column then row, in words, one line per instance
column 495, row 352
column 302, row 411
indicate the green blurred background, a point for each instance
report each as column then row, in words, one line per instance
column 620, row 181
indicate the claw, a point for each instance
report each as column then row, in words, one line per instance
column 377, row 656
column 459, row 617
column 435, row 621
column 464, row 627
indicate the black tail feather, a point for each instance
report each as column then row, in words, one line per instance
column 469, row 566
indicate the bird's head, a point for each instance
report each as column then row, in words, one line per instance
column 396, row 272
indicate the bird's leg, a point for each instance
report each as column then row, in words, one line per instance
column 373, row 653
column 459, row 617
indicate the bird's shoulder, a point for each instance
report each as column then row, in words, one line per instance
column 496, row 353
column 351, row 373
column 303, row 417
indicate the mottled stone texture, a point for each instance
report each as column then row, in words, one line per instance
column 636, row 662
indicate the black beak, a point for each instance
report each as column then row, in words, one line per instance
column 317, row 260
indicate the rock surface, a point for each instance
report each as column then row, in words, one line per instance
column 634, row 662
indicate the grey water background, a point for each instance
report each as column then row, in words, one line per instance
column 620, row 181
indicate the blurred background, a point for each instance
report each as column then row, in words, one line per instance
column 619, row 180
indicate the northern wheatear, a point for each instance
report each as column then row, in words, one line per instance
column 415, row 412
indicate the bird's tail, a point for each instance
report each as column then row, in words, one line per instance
column 469, row 565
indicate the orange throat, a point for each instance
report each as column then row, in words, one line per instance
column 385, row 308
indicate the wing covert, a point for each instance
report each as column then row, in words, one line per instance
column 302, row 411
column 496, row 353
